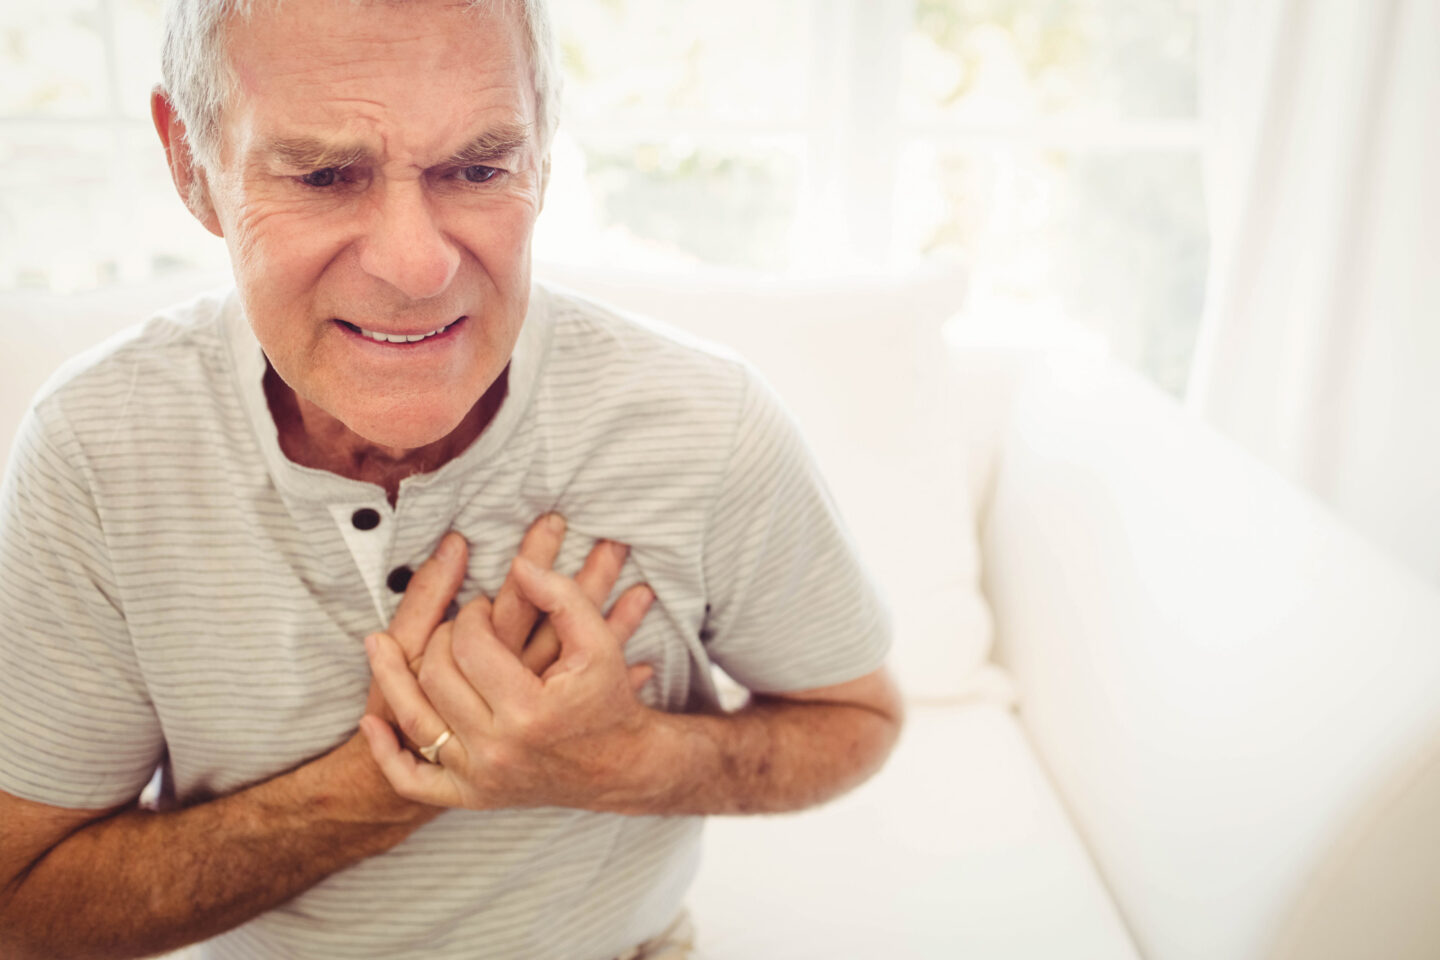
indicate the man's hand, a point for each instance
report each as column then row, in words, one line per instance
column 423, row 606
column 434, row 585
column 565, row 737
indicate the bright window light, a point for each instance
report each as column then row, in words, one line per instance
column 1049, row 149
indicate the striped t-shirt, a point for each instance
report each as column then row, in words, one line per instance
column 172, row 585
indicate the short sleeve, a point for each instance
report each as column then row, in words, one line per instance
column 790, row 604
column 76, row 725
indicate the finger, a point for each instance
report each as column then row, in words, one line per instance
column 578, row 623
column 515, row 616
column 624, row 618
column 375, row 703
column 601, row 569
column 478, row 614
column 640, row 675
column 413, row 713
column 414, row 666
column 462, row 709
column 596, row 579
column 542, row 650
column 408, row 775
column 429, row 592
column 490, row 667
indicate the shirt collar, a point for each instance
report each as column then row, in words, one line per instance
column 248, row 365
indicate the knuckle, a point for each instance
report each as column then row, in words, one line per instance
column 532, row 727
column 465, row 657
column 524, row 723
column 569, row 590
column 471, row 616
column 500, row 757
column 409, row 721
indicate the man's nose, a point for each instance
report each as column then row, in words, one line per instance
column 404, row 245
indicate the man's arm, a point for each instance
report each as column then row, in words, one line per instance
column 128, row 882
column 579, row 737
column 778, row 753
column 132, row 883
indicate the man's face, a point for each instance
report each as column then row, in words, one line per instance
column 379, row 171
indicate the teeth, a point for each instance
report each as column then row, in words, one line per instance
column 400, row 337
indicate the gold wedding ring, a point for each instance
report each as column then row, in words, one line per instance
column 432, row 752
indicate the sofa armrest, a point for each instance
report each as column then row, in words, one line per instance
column 1235, row 694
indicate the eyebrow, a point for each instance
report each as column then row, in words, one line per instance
column 309, row 153
column 491, row 145
column 312, row 154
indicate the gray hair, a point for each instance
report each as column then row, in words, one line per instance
column 199, row 78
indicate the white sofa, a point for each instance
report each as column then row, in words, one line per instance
column 1162, row 705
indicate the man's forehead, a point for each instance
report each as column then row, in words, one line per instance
column 337, row 25
column 298, row 49
column 417, row 87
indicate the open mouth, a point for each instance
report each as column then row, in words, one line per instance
column 379, row 337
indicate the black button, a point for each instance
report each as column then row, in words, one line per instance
column 365, row 519
column 399, row 579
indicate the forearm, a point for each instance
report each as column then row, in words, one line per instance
column 772, row 756
column 144, row 882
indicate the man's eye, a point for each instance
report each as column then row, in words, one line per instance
column 321, row 178
column 478, row 174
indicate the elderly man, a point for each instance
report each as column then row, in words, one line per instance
column 208, row 533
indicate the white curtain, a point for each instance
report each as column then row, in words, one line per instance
column 1320, row 350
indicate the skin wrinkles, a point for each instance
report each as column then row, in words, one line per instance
column 400, row 242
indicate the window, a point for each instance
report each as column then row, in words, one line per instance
column 85, row 199
column 1049, row 148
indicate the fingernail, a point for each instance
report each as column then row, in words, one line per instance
column 555, row 523
column 620, row 550
column 450, row 546
column 370, row 642
column 649, row 594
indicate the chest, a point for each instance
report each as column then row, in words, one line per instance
column 251, row 644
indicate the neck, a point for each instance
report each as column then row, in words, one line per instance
column 313, row 438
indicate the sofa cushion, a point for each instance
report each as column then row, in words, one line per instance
column 1234, row 693
column 959, row 847
column 39, row 331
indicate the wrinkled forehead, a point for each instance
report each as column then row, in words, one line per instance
column 343, row 66
column 289, row 36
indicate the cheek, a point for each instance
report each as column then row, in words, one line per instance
column 496, row 228
column 280, row 246
column 500, row 241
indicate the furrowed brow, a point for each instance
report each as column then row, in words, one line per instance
column 491, row 145
column 308, row 153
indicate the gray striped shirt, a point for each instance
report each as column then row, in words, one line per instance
column 171, row 583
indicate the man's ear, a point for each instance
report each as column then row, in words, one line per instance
column 188, row 176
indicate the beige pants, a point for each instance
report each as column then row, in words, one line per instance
column 675, row 943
